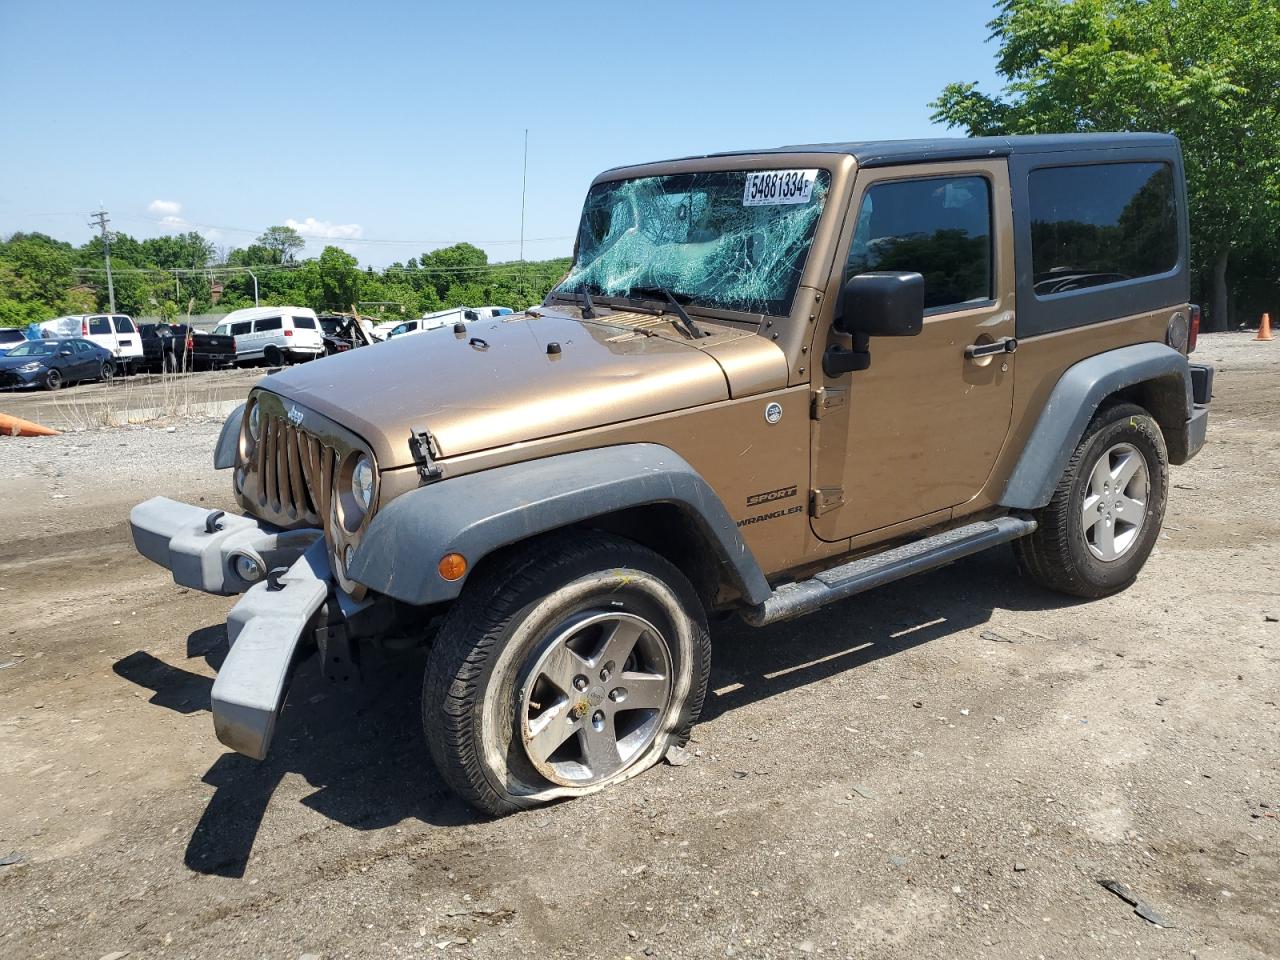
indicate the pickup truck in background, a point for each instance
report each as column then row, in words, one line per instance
column 170, row 347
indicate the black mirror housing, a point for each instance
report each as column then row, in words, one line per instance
column 882, row 304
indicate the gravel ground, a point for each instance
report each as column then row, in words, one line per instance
column 942, row 768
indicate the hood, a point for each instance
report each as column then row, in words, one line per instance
column 8, row 363
column 497, row 384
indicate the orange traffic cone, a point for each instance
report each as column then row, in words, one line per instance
column 17, row 427
column 1264, row 331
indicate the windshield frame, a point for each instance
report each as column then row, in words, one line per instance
column 818, row 261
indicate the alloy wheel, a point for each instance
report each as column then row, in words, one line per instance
column 594, row 697
column 1115, row 504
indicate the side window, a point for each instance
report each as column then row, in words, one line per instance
column 1101, row 223
column 99, row 325
column 304, row 323
column 269, row 323
column 82, row 346
column 123, row 325
column 939, row 228
column 240, row 328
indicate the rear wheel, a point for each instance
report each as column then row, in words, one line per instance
column 108, row 371
column 568, row 666
column 1097, row 531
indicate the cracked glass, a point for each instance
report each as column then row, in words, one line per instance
column 728, row 239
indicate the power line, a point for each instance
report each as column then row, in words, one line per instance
column 490, row 268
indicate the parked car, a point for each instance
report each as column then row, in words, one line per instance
column 343, row 332
column 446, row 318
column 54, row 363
column 169, row 347
column 769, row 382
column 273, row 335
column 11, row 337
column 116, row 333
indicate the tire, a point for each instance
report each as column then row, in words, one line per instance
column 1101, row 551
column 53, row 380
column 108, row 371
column 566, row 604
column 273, row 356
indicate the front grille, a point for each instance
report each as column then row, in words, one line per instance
column 295, row 473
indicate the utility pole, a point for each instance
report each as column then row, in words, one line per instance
column 100, row 220
column 524, row 186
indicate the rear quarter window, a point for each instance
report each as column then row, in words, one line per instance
column 304, row 323
column 1099, row 224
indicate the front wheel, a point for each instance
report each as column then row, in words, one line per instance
column 1096, row 533
column 53, row 380
column 569, row 665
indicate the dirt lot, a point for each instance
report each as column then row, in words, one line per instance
column 942, row 768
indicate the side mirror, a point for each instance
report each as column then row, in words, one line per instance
column 880, row 304
column 888, row 304
column 64, row 353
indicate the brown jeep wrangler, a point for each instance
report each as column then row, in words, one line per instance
column 771, row 380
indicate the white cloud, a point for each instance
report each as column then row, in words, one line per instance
column 323, row 230
column 169, row 209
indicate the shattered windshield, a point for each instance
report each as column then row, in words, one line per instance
column 729, row 239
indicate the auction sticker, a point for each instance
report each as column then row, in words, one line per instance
column 768, row 187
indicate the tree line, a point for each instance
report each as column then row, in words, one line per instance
column 41, row 277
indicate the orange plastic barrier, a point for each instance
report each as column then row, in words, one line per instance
column 17, row 427
column 1264, row 331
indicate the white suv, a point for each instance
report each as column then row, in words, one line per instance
column 276, row 335
column 447, row 318
column 115, row 332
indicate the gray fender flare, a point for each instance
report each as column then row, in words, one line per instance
column 224, row 454
column 1076, row 398
column 477, row 513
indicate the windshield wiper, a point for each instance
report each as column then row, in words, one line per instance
column 662, row 293
column 588, row 308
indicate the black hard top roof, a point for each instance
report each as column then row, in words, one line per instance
column 873, row 153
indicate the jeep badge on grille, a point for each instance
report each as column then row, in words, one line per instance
column 295, row 415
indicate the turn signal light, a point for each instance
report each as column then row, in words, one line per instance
column 1193, row 333
column 452, row 566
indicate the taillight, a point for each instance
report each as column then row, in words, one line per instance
column 84, row 328
column 235, row 345
column 1194, row 327
column 190, row 341
column 288, row 333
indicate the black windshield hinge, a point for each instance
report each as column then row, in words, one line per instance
column 423, row 447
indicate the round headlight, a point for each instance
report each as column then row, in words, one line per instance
column 255, row 422
column 362, row 482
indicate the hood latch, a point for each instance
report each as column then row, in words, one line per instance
column 425, row 453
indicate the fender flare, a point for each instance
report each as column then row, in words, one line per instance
column 1076, row 398
column 224, row 454
column 477, row 513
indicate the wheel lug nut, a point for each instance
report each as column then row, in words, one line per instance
column 597, row 719
column 580, row 682
column 618, row 694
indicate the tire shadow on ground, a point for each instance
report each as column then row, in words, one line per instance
column 361, row 745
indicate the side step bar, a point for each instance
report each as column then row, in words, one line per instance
column 794, row 599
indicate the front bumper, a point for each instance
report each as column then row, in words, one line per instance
column 12, row 378
column 266, row 627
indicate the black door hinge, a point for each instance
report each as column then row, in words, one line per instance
column 423, row 447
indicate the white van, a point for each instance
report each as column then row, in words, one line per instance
column 111, row 331
column 447, row 318
column 276, row 335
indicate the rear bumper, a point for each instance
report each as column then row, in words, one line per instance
column 1197, row 428
column 267, row 626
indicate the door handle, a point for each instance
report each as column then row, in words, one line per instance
column 976, row 351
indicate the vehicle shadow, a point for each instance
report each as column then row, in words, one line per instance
column 361, row 746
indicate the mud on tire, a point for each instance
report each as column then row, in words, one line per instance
column 484, row 668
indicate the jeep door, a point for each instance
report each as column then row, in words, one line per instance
column 916, row 435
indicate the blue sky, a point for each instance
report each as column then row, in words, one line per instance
column 371, row 122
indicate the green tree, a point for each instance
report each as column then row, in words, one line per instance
column 458, row 264
column 1205, row 70
column 284, row 242
column 339, row 279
